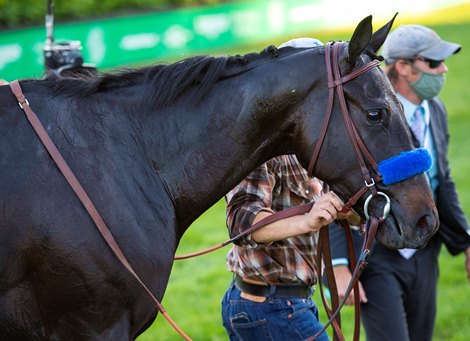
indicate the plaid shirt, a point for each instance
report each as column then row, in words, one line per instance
column 276, row 185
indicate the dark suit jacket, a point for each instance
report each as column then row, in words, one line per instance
column 453, row 223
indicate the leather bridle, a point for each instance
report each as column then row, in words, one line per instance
column 335, row 81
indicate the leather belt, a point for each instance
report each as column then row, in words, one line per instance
column 282, row 290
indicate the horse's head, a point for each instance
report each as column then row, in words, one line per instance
column 366, row 132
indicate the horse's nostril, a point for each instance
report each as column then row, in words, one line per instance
column 423, row 222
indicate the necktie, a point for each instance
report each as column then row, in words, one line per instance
column 418, row 127
column 418, row 124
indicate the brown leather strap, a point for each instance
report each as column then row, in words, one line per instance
column 371, row 229
column 331, row 280
column 332, row 69
column 329, row 110
column 352, row 266
column 290, row 212
column 353, row 200
column 335, row 81
column 82, row 195
column 324, row 257
column 347, row 118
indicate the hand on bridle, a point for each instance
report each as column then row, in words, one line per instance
column 327, row 208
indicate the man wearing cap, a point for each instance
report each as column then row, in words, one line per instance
column 398, row 289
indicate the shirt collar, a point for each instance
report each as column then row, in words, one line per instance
column 409, row 108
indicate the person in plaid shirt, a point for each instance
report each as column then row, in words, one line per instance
column 269, row 298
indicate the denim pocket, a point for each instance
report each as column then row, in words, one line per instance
column 301, row 306
column 248, row 330
column 303, row 318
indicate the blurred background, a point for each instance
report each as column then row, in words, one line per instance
column 131, row 32
column 119, row 33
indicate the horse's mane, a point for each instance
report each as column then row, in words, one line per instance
column 161, row 83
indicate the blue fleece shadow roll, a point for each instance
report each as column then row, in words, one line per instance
column 405, row 165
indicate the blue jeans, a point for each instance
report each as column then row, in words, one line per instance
column 285, row 319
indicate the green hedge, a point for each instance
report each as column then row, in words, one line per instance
column 20, row 13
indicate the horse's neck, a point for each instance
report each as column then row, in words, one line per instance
column 214, row 157
column 213, row 146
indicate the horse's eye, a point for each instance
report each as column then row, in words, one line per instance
column 374, row 115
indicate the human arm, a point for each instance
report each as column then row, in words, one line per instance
column 251, row 196
column 278, row 184
column 325, row 210
column 453, row 229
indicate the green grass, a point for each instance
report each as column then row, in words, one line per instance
column 197, row 285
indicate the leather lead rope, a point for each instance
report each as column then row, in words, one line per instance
column 83, row 196
column 323, row 251
column 371, row 229
column 290, row 212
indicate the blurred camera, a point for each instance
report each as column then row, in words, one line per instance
column 65, row 59
column 63, row 55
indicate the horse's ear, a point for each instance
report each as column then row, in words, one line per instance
column 360, row 38
column 378, row 37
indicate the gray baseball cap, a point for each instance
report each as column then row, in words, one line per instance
column 412, row 41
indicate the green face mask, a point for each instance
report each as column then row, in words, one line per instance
column 428, row 85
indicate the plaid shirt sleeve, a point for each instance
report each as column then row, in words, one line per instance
column 247, row 199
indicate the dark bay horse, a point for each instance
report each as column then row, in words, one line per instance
column 155, row 148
